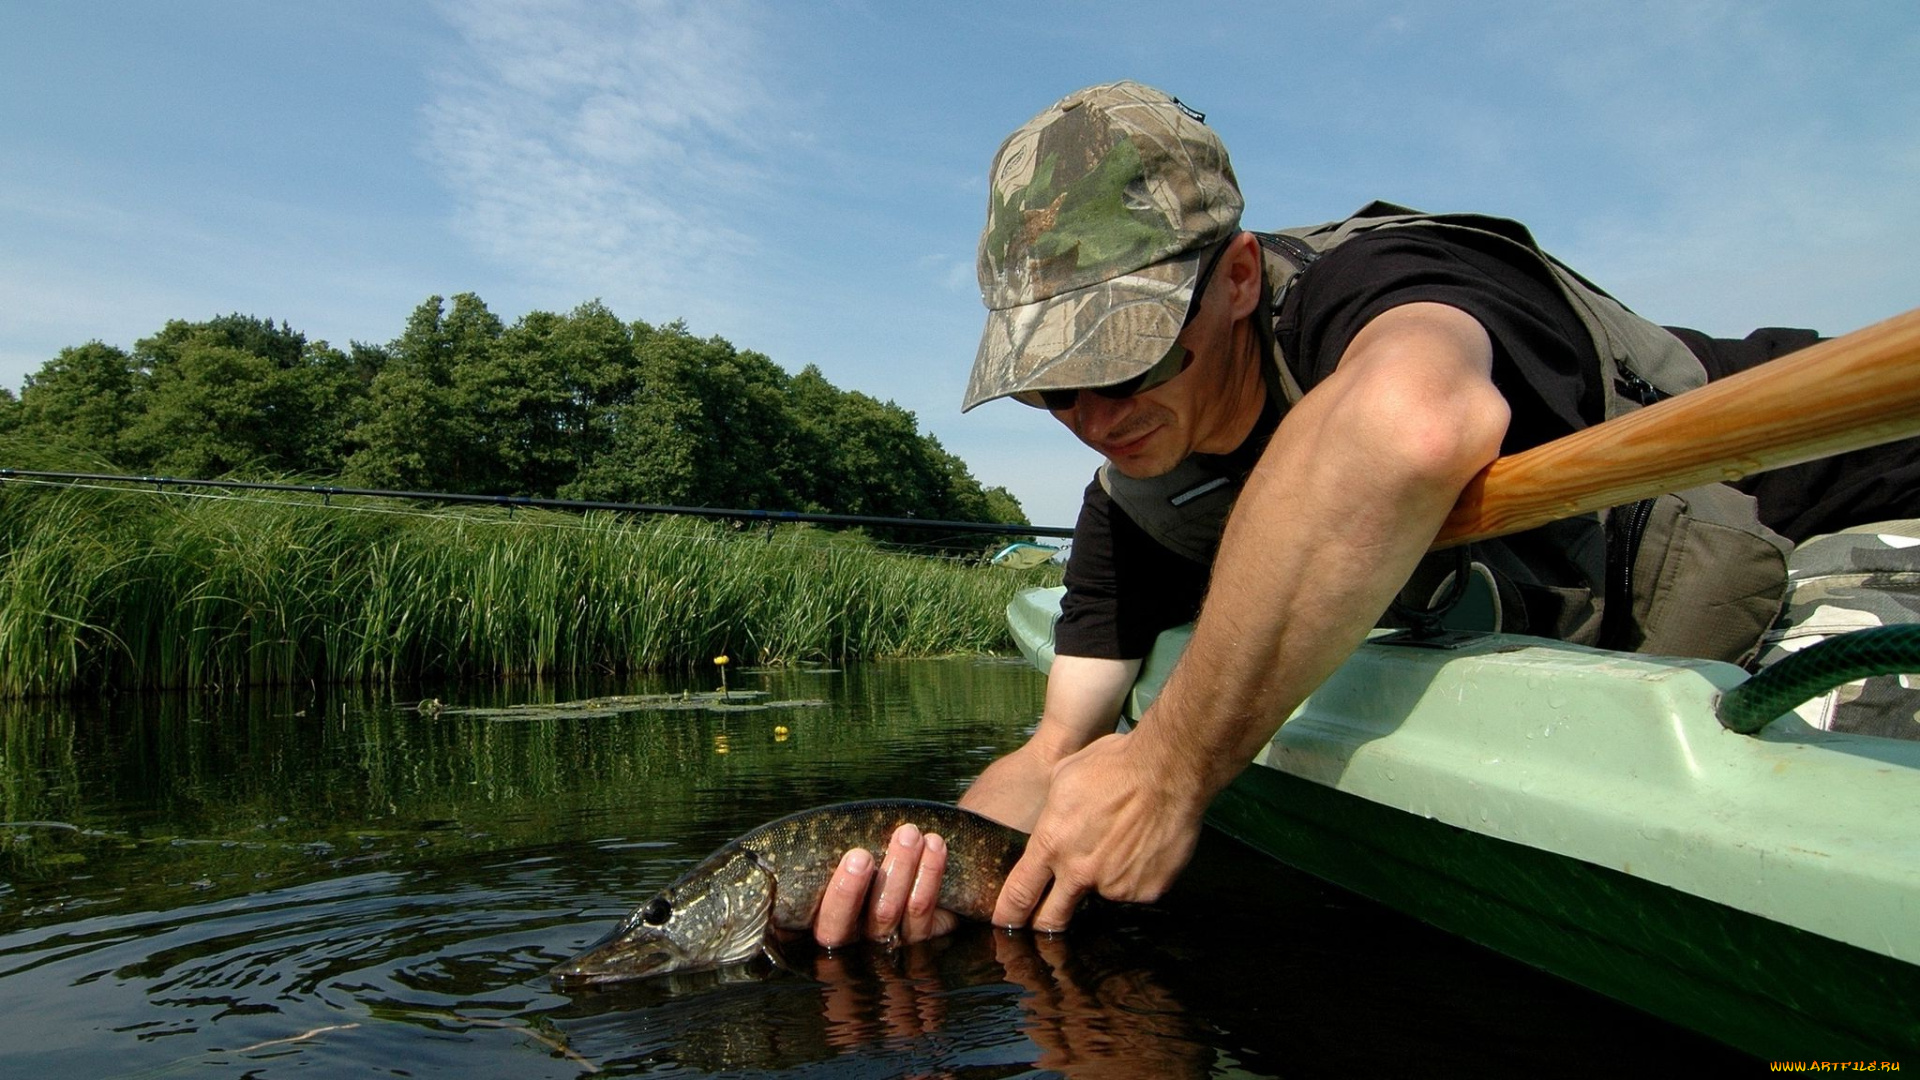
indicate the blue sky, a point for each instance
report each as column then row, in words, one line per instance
column 806, row 180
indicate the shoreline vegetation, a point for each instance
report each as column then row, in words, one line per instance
column 124, row 589
column 580, row 406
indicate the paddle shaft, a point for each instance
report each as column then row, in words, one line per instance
column 1847, row 393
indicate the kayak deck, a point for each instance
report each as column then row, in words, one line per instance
column 1584, row 811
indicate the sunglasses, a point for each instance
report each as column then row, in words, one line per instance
column 1165, row 369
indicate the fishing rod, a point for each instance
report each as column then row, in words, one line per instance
column 771, row 517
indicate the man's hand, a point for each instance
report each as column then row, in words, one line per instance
column 901, row 902
column 1117, row 822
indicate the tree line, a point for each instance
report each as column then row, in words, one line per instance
column 574, row 406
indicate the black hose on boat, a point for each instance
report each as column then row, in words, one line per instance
column 1780, row 687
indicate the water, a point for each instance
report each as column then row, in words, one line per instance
column 325, row 885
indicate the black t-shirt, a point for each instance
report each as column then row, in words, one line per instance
column 1543, row 358
column 1123, row 588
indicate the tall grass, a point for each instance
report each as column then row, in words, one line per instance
column 132, row 589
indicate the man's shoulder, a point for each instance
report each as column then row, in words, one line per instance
column 1465, row 262
column 1386, row 231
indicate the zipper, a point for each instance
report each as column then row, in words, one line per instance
column 1623, row 547
column 1294, row 250
column 1630, row 384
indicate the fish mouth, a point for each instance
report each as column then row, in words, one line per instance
column 619, row 958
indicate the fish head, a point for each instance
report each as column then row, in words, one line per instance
column 717, row 914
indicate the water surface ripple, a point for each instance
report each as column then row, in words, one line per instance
column 280, row 885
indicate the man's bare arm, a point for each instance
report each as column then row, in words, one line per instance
column 1346, row 499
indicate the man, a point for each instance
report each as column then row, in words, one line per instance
column 1336, row 389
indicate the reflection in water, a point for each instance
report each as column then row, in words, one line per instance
column 1080, row 1004
column 338, row 886
column 1097, row 1010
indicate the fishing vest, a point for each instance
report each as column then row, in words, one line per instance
column 1689, row 574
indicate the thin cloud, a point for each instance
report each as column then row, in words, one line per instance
column 604, row 147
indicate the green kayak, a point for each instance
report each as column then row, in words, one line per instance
column 1584, row 812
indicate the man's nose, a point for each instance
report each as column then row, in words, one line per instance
column 1093, row 414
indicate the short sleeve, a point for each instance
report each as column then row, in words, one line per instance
column 1543, row 357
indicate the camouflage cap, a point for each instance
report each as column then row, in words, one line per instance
column 1099, row 212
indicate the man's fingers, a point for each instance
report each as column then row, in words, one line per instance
column 1058, row 907
column 838, row 922
column 895, row 884
column 899, row 899
column 1036, row 895
column 924, row 918
column 1026, row 883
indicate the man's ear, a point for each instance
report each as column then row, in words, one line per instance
column 1240, row 268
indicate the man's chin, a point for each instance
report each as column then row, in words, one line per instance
column 1142, row 467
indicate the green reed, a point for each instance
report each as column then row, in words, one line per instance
column 134, row 589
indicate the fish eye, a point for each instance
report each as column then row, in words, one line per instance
column 657, row 912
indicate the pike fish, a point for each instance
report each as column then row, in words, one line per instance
column 727, row 908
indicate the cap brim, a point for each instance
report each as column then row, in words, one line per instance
column 1096, row 336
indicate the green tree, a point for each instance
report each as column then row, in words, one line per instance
column 563, row 375
column 84, row 397
column 1001, row 505
column 205, row 413
column 854, row 454
column 578, row 405
column 423, row 424
column 705, row 424
column 238, row 394
column 749, row 428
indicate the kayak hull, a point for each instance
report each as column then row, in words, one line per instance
column 1582, row 811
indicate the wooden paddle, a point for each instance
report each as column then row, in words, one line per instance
column 1850, row 392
